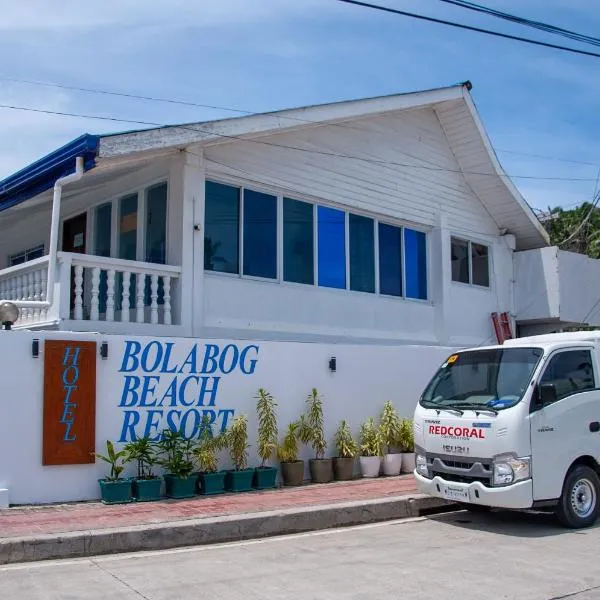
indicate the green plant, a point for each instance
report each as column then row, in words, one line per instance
column 344, row 442
column 176, row 454
column 143, row 451
column 312, row 426
column 237, row 442
column 116, row 460
column 370, row 438
column 406, row 439
column 287, row 451
column 389, row 427
column 208, row 446
column 267, row 425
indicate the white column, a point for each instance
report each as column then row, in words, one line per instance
column 167, row 301
column 125, row 304
column 110, row 295
column 139, row 300
column 95, row 304
column 78, row 313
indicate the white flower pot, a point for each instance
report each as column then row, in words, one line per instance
column 408, row 462
column 370, row 466
column 392, row 464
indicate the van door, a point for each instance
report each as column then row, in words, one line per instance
column 568, row 426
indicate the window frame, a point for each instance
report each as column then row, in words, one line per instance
column 546, row 365
column 25, row 254
column 470, row 243
column 281, row 194
column 115, row 201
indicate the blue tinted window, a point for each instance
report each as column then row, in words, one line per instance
column 390, row 260
column 128, row 213
column 298, row 241
column 362, row 254
column 260, row 234
column 221, row 228
column 332, row 247
column 415, row 263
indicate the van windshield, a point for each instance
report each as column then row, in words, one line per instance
column 486, row 379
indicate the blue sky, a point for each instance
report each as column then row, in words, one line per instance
column 261, row 55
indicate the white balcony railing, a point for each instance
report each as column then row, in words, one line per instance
column 94, row 289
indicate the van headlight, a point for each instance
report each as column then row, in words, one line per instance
column 421, row 465
column 509, row 469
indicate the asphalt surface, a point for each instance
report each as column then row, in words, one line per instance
column 455, row 555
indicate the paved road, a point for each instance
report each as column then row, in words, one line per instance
column 452, row 556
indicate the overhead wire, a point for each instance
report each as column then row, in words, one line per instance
column 463, row 26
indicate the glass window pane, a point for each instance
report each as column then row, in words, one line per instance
column 362, row 254
column 480, row 265
column 332, row 247
column 298, row 241
column 156, row 224
column 36, row 252
column 221, row 228
column 460, row 260
column 128, row 209
column 390, row 260
column 415, row 263
column 570, row 372
column 102, row 229
column 260, row 234
column 17, row 259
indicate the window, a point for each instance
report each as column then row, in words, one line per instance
column 156, row 224
column 298, row 241
column 260, row 234
column 331, row 247
column 415, row 264
column 26, row 255
column 221, row 228
column 470, row 262
column 362, row 254
column 390, row 260
column 128, row 209
column 102, row 229
column 570, row 372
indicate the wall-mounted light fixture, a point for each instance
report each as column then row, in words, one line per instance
column 35, row 348
column 104, row 350
column 333, row 364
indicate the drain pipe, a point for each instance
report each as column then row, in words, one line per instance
column 54, row 227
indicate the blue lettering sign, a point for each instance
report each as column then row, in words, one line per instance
column 70, row 376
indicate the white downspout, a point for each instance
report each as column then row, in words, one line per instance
column 54, row 227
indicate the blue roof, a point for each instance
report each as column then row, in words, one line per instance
column 42, row 174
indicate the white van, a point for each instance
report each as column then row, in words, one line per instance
column 515, row 426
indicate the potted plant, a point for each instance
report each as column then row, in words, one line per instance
column 312, row 432
column 347, row 449
column 212, row 481
column 265, row 476
column 292, row 469
column 240, row 478
column 146, row 486
column 176, row 458
column 407, row 444
column 370, row 449
column 114, row 489
column 389, row 427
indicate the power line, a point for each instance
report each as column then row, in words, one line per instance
column 579, row 37
column 210, row 132
column 469, row 27
column 546, row 157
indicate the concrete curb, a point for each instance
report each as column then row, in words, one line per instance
column 214, row 530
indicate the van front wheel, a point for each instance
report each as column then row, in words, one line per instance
column 578, row 506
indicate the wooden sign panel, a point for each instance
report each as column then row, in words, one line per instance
column 69, row 430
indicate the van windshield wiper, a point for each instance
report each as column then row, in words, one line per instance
column 439, row 407
column 475, row 406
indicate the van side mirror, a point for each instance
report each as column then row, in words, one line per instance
column 546, row 394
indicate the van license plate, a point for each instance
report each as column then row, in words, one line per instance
column 452, row 493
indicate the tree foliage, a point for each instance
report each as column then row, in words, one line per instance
column 575, row 230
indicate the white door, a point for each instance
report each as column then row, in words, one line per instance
column 567, row 427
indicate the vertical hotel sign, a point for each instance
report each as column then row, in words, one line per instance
column 69, row 431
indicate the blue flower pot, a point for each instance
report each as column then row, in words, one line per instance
column 239, row 481
column 265, row 478
column 180, row 487
column 115, row 492
column 147, row 490
column 212, row 483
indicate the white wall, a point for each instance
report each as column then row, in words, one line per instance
column 366, row 377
